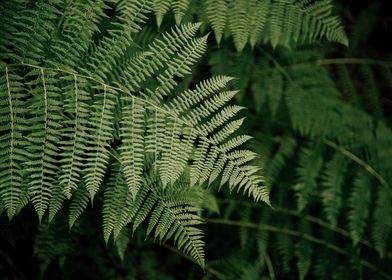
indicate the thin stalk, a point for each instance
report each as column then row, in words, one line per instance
column 359, row 161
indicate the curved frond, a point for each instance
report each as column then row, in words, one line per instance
column 160, row 8
column 310, row 163
column 359, row 207
column 100, row 136
column 43, row 136
column 382, row 217
column 333, row 182
column 79, row 201
column 12, row 152
column 75, row 134
column 216, row 11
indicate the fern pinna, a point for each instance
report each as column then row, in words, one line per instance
column 62, row 105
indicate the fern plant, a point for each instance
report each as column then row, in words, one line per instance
column 110, row 120
column 325, row 145
column 62, row 107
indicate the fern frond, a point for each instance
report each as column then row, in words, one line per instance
column 105, row 55
column 51, row 244
column 238, row 22
column 359, row 207
column 310, row 163
column 100, row 136
column 333, row 180
column 179, row 66
column 175, row 152
column 174, row 216
column 75, row 133
column 79, row 22
column 159, row 53
column 382, row 220
column 132, row 148
column 216, row 11
column 302, row 21
column 56, row 201
column 303, row 252
column 170, row 211
column 44, row 134
column 33, row 29
column 116, row 198
column 122, row 242
column 285, row 249
column 179, row 8
column 160, row 8
column 79, row 201
column 132, row 13
column 286, row 23
column 246, row 20
column 12, row 154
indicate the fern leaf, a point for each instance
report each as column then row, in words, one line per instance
column 132, row 148
column 115, row 201
column 180, row 66
column 359, row 207
column 105, row 55
column 122, row 242
column 79, row 201
column 301, row 21
column 179, row 7
column 56, row 201
column 333, row 179
column 175, row 152
column 99, row 141
column 258, row 16
column 80, row 22
column 155, row 133
column 310, row 163
column 43, row 137
column 216, row 11
column 75, row 133
column 160, row 8
column 34, row 27
column 174, row 216
column 158, row 54
column 170, row 211
column 132, row 13
column 12, row 154
column 238, row 22
column 303, row 252
column 285, row 249
column 382, row 220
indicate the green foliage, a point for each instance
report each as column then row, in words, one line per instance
column 285, row 23
column 64, row 126
column 111, row 121
column 339, row 169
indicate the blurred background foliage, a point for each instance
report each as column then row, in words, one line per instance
column 320, row 114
